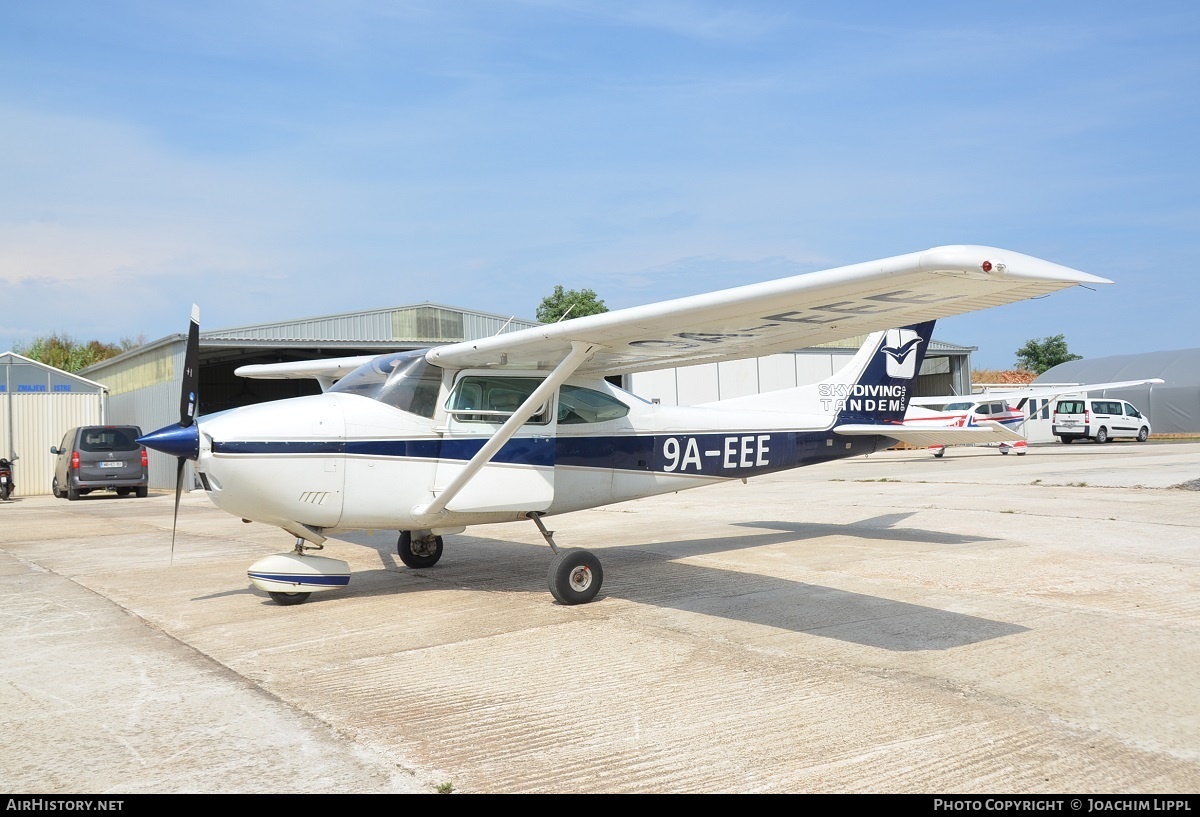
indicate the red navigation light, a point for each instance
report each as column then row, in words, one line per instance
column 986, row 266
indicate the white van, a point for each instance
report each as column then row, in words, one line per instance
column 1099, row 419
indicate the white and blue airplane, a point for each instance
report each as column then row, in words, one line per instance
column 524, row 425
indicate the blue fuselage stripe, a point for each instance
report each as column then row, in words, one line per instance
column 725, row 454
column 302, row 579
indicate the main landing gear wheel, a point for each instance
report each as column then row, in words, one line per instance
column 288, row 599
column 421, row 552
column 575, row 576
column 939, row 452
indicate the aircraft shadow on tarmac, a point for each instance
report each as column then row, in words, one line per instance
column 652, row 574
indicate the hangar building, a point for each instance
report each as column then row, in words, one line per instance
column 144, row 383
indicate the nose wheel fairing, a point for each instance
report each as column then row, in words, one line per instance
column 298, row 573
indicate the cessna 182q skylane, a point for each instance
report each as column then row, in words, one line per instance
column 524, row 425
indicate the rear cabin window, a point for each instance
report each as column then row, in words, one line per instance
column 108, row 439
column 579, row 405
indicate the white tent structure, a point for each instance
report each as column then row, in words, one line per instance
column 1173, row 407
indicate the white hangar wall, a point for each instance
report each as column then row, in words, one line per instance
column 946, row 371
column 690, row 385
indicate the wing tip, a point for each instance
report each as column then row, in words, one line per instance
column 997, row 261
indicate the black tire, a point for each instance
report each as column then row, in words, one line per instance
column 58, row 492
column 423, row 553
column 1004, row 451
column 123, row 491
column 142, row 492
column 1143, row 434
column 5, row 491
column 575, row 576
column 72, row 492
column 1066, row 440
column 939, row 452
column 1101, row 435
column 288, row 599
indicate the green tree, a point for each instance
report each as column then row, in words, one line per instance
column 1042, row 355
column 66, row 353
column 569, row 303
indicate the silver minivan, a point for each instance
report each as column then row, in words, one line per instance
column 1099, row 419
column 100, row 458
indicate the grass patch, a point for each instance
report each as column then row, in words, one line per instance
column 445, row 788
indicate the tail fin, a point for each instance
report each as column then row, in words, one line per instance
column 877, row 384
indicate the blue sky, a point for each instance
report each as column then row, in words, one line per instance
column 277, row 160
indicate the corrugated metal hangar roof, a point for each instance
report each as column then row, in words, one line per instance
column 425, row 324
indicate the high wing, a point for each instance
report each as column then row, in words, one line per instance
column 775, row 316
column 1023, row 394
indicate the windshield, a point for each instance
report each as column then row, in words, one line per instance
column 404, row 380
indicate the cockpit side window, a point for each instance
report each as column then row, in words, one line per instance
column 492, row 399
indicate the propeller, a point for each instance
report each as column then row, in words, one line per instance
column 182, row 440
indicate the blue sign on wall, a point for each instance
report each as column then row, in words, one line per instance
column 31, row 387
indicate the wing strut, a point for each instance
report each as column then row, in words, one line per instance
column 580, row 352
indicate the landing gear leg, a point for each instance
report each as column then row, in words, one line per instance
column 575, row 574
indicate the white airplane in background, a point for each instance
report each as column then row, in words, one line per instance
column 992, row 416
column 524, row 425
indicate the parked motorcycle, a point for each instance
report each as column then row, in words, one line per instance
column 7, row 486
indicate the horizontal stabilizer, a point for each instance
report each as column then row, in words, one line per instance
column 987, row 431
